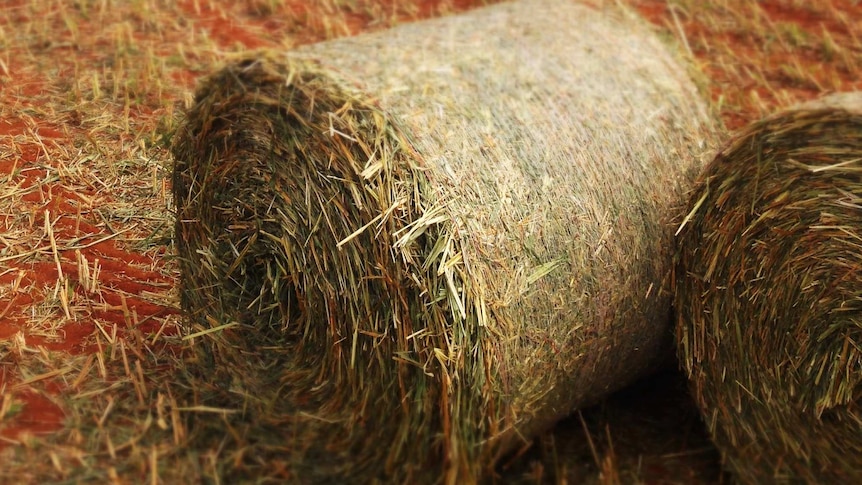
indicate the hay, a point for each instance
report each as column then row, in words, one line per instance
column 408, row 252
column 769, row 296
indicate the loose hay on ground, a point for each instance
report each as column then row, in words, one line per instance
column 406, row 253
column 768, row 288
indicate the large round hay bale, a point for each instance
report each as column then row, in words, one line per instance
column 453, row 232
column 769, row 296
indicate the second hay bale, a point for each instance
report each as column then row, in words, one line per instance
column 769, row 296
column 452, row 233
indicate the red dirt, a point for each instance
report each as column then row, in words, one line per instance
column 39, row 415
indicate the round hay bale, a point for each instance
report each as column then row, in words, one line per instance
column 451, row 233
column 768, row 287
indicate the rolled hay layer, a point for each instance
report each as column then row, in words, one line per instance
column 769, row 296
column 420, row 247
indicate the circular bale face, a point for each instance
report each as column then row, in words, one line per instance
column 421, row 247
column 769, row 296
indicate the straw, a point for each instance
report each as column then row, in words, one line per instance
column 433, row 242
column 767, row 291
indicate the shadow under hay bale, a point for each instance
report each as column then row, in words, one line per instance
column 406, row 253
column 768, row 289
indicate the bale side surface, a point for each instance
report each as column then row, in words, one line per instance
column 769, row 296
column 418, row 248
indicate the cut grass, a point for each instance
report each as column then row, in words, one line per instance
column 83, row 82
column 760, row 56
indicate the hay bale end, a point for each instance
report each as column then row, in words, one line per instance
column 769, row 296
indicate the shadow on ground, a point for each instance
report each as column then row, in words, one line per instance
column 648, row 433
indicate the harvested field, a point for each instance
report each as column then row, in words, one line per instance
column 88, row 91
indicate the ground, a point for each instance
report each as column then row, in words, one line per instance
column 91, row 89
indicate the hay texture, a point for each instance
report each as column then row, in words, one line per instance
column 422, row 246
column 769, row 296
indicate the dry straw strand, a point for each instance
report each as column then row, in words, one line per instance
column 767, row 292
column 425, row 245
